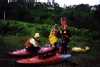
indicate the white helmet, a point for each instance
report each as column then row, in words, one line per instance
column 36, row 35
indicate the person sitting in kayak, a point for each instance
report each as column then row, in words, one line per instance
column 33, row 44
column 65, row 35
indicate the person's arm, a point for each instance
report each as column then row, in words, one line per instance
column 27, row 44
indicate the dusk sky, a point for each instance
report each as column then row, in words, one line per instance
column 74, row 2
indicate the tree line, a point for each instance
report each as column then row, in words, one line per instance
column 81, row 15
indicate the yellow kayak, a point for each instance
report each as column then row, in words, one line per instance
column 79, row 49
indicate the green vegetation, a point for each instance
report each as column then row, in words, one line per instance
column 15, row 33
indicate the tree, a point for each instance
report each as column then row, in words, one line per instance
column 3, row 10
column 83, row 7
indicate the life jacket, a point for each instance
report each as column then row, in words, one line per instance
column 66, row 36
column 53, row 40
column 29, row 44
column 37, row 41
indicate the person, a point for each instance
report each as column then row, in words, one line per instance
column 64, row 23
column 54, row 38
column 54, row 35
column 33, row 44
column 65, row 35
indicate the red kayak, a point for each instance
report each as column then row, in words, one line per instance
column 24, row 52
column 21, row 52
column 57, row 58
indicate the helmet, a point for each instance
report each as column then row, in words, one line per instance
column 36, row 35
column 64, row 23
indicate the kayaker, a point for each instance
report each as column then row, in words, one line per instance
column 65, row 35
column 33, row 43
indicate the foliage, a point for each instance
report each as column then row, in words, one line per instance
column 80, row 37
column 82, row 15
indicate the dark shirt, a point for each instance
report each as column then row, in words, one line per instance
column 65, row 36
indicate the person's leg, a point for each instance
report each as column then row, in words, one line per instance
column 28, row 48
column 35, row 50
column 65, row 48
